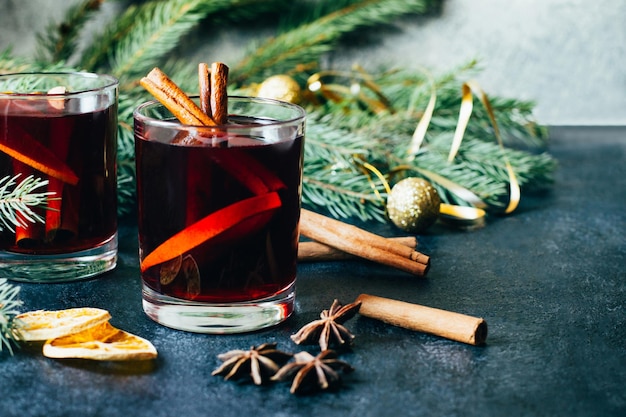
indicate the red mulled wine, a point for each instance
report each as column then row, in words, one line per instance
column 227, row 204
column 73, row 147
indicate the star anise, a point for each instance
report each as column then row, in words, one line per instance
column 329, row 331
column 258, row 363
column 313, row 373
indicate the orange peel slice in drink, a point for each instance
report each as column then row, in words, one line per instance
column 209, row 227
column 43, row 325
column 103, row 343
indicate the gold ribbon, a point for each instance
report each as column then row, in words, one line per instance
column 422, row 125
column 453, row 187
column 468, row 90
column 464, row 114
column 380, row 176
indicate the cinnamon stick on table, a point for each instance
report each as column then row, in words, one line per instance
column 454, row 326
column 310, row 251
column 359, row 242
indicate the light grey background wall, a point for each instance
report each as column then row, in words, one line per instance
column 569, row 56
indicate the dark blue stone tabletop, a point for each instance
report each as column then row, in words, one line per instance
column 550, row 280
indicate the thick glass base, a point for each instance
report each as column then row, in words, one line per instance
column 64, row 267
column 218, row 318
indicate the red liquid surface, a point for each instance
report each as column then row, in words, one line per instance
column 85, row 213
column 180, row 185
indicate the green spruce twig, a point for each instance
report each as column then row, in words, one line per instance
column 9, row 304
column 308, row 42
column 157, row 30
column 333, row 178
column 18, row 199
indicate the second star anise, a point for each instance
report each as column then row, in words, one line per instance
column 329, row 330
column 311, row 373
column 259, row 363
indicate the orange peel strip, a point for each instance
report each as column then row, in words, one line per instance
column 210, row 226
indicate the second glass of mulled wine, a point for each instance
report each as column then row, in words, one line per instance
column 58, row 150
column 219, row 209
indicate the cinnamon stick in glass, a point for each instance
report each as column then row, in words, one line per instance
column 29, row 232
column 359, row 242
column 316, row 251
column 219, row 95
column 204, row 82
column 174, row 99
column 60, row 130
column 448, row 324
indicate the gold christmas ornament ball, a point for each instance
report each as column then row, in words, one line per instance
column 413, row 205
column 280, row 87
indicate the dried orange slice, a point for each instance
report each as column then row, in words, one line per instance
column 45, row 324
column 102, row 342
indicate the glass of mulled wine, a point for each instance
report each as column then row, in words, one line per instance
column 219, row 209
column 58, row 179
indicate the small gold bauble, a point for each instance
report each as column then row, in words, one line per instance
column 413, row 205
column 280, row 87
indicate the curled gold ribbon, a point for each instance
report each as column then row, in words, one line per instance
column 380, row 176
column 464, row 114
column 467, row 105
column 463, row 215
column 454, row 188
column 422, row 125
column 469, row 88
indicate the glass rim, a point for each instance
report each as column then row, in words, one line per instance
column 301, row 115
column 112, row 82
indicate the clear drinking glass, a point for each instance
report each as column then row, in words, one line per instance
column 219, row 209
column 59, row 129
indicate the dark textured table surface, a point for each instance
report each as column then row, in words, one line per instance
column 549, row 280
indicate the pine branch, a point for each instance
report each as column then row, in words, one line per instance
column 58, row 42
column 333, row 177
column 17, row 200
column 96, row 57
column 308, row 42
column 9, row 304
column 157, row 31
column 308, row 12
